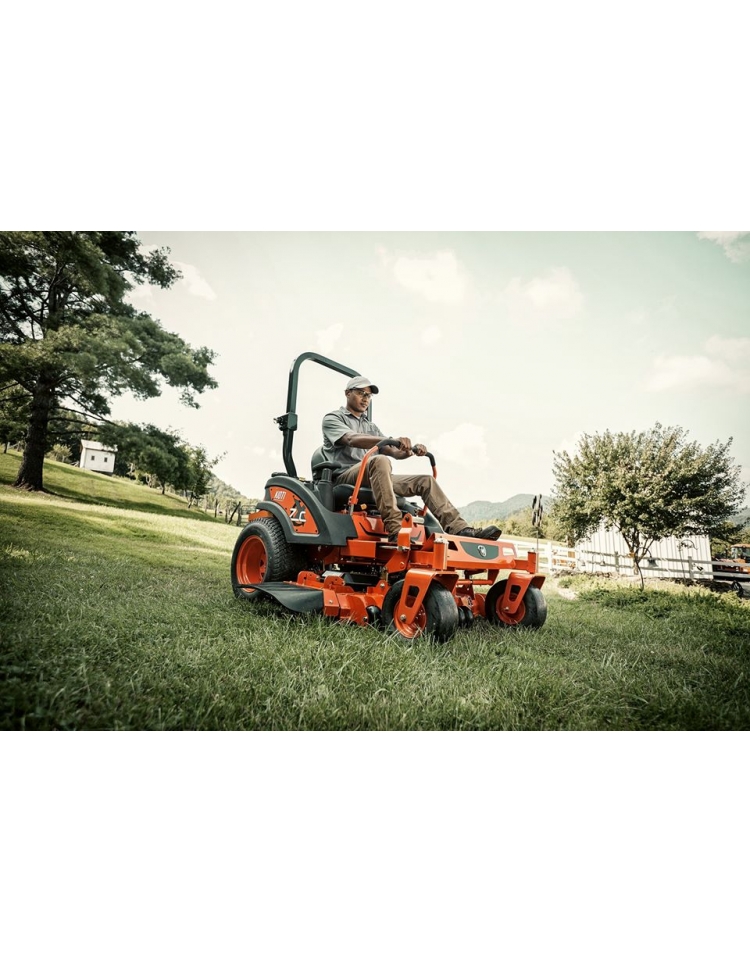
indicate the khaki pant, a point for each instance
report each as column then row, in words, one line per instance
column 386, row 487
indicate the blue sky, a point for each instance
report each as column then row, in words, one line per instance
column 494, row 349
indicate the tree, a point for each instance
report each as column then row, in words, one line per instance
column 60, row 452
column 648, row 485
column 14, row 414
column 199, row 471
column 521, row 525
column 69, row 341
column 162, row 457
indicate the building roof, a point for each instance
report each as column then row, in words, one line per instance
column 97, row 446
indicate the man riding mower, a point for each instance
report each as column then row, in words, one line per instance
column 335, row 545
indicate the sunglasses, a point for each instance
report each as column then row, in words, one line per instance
column 362, row 393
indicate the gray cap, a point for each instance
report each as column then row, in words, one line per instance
column 361, row 382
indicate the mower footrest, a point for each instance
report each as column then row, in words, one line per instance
column 293, row 597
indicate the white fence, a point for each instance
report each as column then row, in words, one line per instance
column 551, row 557
column 606, row 553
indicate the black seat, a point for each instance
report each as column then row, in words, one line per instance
column 322, row 469
column 342, row 493
column 335, row 497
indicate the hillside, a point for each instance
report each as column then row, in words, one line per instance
column 225, row 492
column 70, row 481
column 491, row 510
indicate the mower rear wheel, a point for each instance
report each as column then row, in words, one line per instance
column 531, row 613
column 262, row 553
column 437, row 615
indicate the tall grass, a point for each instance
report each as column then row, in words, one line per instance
column 122, row 619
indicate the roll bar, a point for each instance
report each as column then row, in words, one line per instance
column 288, row 422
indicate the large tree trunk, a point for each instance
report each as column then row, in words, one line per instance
column 31, row 472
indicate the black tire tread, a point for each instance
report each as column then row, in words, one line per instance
column 534, row 602
column 439, row 605
column 284, row 561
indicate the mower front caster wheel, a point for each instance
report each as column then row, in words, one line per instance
column 531, row 613
column 437, row 615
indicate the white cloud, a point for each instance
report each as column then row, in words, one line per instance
column 431, row 335
column 554, row 296
column 465, row 444
column 439, row 277
column 194, row 282
column 727, row 368
column 684, row 372
column 721, row 236
column 731, row 241
column 142, row 296
column 328, row 337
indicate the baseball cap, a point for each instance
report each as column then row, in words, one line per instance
column 361, row 382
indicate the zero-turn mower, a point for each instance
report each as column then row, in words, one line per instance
column 314, row 545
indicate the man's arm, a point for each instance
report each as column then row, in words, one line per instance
column 404, row 449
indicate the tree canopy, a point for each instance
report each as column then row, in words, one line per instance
column 162, row 457
column 649, row 485
column 69, row 341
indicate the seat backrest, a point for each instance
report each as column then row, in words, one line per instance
column 317, row 458
column 318, row 462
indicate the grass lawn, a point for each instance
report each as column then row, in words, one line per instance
column 115, row 618
column 68, row 481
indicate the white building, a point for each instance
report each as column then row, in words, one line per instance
column 688, row 557
column 95, row 457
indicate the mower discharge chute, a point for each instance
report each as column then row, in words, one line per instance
column 320, row 546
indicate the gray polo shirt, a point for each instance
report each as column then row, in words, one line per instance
column 341, row 422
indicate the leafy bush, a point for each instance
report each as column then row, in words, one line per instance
column 60, row 452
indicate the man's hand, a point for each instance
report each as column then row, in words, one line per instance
column 404, row 445
column 420, row 450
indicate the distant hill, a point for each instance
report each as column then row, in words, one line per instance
column 489, row 510
column 225, row 492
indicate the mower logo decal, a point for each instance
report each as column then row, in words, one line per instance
column 298, row 512
column 485, row 552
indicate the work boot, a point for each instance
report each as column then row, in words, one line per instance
column 490, row 533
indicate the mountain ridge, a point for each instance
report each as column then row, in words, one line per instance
column 491, row 510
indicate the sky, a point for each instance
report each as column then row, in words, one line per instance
column 494, row 349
